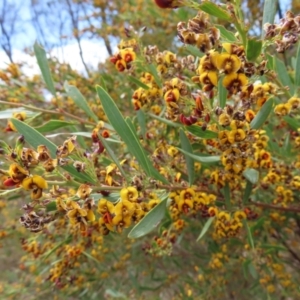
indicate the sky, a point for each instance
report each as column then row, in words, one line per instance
column 93, row 50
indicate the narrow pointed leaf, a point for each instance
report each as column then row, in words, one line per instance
column 126, row 133
column 165, row 121
column 186, row 145
column 297, row 69
column 251, row 175
column 112, row 155
column 293, row 123
column 205, row 228
column 141, row 117
column 249, row 233
column 226, row 34
column 283, row 75
column 247, row 192
column 34, row 138
column 138, row 82
column 79, row 100
column 226, row 191
column 203, row 159
column 222, row 94
column 199, row 132
column 262, row 115
column 44, row 67
column 150, row 221
column 253, row 49
column 270, row 8
column 215, row 10
column 53, row 125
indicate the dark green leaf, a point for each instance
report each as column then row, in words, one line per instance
column 294, row 124
column 138, row 82
column 226, row 34
column 44, row 67
column 247, row 192
column 297, row 69
column 34, row 138
column 203, row 159
column 262, row 115
column 199, row 132
column 125, row 132
column 283, row 75
column 150, row 221
column 142, row 122
column 52, row 125
column 215, row 10
column 205, row 228
column 51, row 206
column 251, row 175
column 79, row 100
column 222, row 93
column 226, row 191
column 250, row 238
column 253, row 49
column 270, row 8
column 186, row 145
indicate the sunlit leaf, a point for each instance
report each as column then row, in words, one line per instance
column 222, row 91
column 270, row 8
column 79, row 100
column 127, row 134
column 253, row 49
column 43, row 64
column 226, row 34
column 205, row 228
column 53, row 125
column 150, row 221
column 252, row 175
column 283, row 75
column 138, row 82
column 215, row 10
column 262, row 115
column 199, row 132
column 203, row 159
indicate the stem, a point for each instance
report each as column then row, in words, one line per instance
column 271, row 206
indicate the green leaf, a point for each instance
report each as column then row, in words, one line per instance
column 205, row 228
column 153, row 71
column 283, row 75
column 44, row 67
column 8, row 113
column 199, row 132
column 138, row 82
column 226, row 34
column 79, row 100
column 215, row 10
column 203, row 159
column 297, row 69
column 262, row 115
column 142, row 122
column 250, row 238
column 252, row 270
column 127, row 135
column 226, row 191
column 112, row 155
column 52, row 125
column 194, row 51
column 51, row 206
column 253, row 49
column 150, row 221
column 270, row 8
column 34, row 138
column 186, row 145
column 286, row 149
column 247, row 192
column 222, row 93
column 163, row 120
column 294, row 124
column 251, row 175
